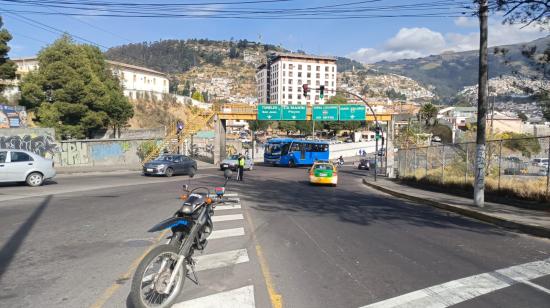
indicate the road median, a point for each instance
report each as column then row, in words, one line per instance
column 527, row 221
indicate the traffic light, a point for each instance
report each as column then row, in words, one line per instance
column 321, row 91
column 377, row 133
column 305, row 88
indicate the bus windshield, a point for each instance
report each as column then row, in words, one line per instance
column 273, row 148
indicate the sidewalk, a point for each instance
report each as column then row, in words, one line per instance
column 115, row 169
column 527, row 221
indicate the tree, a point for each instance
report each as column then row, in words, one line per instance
column 428, row 113
column 7, row 66
column 256, row 125
column 524, row 11
column 74, row 91
column 520, row 143
column 287, row 126
column 337, row 99
column 205, row 96
column 197, row 96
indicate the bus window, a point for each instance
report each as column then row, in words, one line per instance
column 284, row 149
column 274, row 148
column 295, row 147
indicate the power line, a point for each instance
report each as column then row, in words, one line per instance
column 442, row 8
column 51, row 29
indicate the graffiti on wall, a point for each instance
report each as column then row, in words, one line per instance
column 74, row 153
column 109, row 150
column 12, row 116
column 41, row 145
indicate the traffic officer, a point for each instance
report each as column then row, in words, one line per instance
column 240, row 163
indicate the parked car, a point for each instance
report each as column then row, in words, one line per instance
column 231, row 163
column 170, row 164
column 364, row 164
column 512, row 171
column 24, row 166
column 540, row 162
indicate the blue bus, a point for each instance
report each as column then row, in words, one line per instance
column 294, row 152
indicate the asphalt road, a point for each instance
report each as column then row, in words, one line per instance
column 74, row 243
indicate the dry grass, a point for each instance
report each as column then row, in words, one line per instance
column 532, row 188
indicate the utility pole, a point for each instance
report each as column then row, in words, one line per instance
column 479, row 181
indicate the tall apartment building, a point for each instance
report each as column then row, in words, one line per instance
column 280, row 80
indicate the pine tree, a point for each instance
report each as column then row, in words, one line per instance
column 7, row 66
column 74, row 91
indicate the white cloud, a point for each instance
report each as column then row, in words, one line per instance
column 410, row 43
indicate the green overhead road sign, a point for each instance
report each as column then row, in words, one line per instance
column 352, row 113
column 269, row 112
column 294, row 112
column 325, row 112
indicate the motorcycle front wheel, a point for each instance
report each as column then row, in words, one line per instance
column 153, row 275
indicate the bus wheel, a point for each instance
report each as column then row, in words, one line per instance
column 292, row 164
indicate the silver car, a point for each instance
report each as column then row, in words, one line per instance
column 232, row 161
column 24, row 166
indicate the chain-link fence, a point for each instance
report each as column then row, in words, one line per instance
column 518, row 167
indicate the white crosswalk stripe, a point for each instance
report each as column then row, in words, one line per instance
column 238, row 298
column 228, row 207
column 227, row 217
column 225, row 233
column 220, row 259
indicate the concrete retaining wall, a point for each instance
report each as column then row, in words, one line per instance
column 351, row 149
column 74, row 153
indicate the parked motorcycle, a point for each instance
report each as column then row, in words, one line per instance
column 160, row 276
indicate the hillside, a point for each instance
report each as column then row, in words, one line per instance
column 222, row 70
column 450, row 72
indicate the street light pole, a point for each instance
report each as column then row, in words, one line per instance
column 375, row 120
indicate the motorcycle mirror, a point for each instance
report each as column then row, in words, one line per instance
column 227, row 174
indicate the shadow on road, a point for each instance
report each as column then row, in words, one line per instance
column 350, row 202
column 9, row 250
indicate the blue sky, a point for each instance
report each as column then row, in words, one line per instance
column 367, row 40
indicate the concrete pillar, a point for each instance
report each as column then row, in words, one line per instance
column 390, row 149
column 219, row 141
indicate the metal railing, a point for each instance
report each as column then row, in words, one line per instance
column 517, row 166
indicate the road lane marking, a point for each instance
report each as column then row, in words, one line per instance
column 220, row 259
column 460, row 290
column 238, row 298
column 536, row 286
column 110, row 291
column 275, row 298
column 227, row 207
column 227, row 217
column 45, row 190
column 225, row 233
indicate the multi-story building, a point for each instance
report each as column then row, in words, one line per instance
column 262, row 84
column 288, row 72
column 135, row 80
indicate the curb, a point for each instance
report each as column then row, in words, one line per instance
column 525, row 228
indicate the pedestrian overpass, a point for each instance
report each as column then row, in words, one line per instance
column 217, row 116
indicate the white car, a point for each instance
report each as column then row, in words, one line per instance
column 24, row 166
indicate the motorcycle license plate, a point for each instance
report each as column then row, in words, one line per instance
column 225, row 166
column 149, row 170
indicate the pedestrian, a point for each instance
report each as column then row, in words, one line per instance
column 240, row 162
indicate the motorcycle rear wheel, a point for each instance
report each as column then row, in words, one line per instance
column 149, row 279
